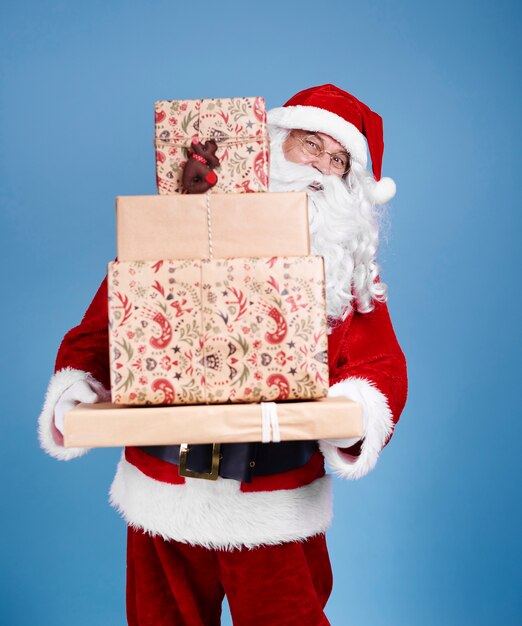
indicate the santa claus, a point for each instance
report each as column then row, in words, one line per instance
column 257, row 533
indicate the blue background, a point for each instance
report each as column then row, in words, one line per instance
column 432, row 536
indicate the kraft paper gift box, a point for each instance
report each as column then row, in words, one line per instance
column 106, row 424
column 215, row 331
column 237, row 125
column 237, row 225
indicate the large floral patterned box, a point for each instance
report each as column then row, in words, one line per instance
column 216, row 331
column 236, row 125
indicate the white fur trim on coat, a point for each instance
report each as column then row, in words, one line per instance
column 379, row 425
column 323, row 121
column 216, row 514
column 59, row 383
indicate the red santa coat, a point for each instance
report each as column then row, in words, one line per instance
column 366, row 365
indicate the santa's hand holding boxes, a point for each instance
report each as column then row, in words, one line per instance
column 278, row 501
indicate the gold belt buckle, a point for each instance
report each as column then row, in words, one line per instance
column 212, row 475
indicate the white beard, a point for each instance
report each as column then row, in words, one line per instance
column 343, row 229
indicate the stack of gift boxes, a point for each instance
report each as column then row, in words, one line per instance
column 214, row 298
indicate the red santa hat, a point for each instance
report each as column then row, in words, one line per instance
column 330, row 110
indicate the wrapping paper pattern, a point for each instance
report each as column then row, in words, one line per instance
column 238, row 125
column 215, row 331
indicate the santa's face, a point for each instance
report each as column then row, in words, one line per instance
column 318, row 150
column 343, row 228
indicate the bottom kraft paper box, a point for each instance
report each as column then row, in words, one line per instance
column 105, row 424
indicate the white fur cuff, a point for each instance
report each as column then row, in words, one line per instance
column 378, row 426
column 49, row 436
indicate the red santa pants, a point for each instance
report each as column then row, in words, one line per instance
column 176, row 584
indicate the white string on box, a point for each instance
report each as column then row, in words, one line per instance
column 210, row 257
column 270, row 422
column 274, row 418
column 209, row 228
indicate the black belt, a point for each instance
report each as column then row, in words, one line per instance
column 239, row 461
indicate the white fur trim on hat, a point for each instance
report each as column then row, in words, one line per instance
column 323, row 121
column 217, row 514
column 48, row 434
column 378, row 417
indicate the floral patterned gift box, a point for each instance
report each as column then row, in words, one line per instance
column 216, row 331
column 237, row 125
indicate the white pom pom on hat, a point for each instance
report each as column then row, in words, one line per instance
column 349, row 121
column 383, row 190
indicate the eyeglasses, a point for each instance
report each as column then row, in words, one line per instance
column 312, row 145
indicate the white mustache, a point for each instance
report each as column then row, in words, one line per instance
column 293, row 177
column 288, row 176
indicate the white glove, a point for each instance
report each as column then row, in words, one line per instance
column 81, row 391
column 336, row 392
